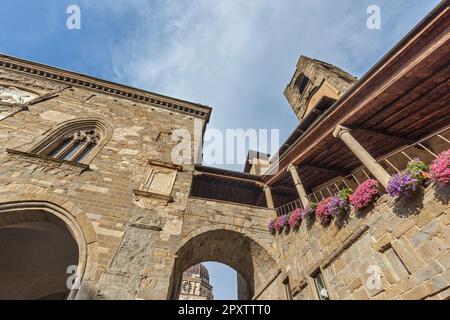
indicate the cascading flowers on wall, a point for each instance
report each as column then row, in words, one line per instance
column 322, row 211
column 405, row 183
column 281, row 223
column 440, row 169
column 401, row 184
column 364, row 194
column 295, row 218
column 339, row 204
column 308, row 212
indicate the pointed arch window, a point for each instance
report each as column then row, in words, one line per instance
column 74, row 147
column 75, row 141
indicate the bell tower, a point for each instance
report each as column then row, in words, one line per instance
column 195, row 284
column 316, row 83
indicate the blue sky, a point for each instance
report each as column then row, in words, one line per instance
column 234, row 55
column 223, row 279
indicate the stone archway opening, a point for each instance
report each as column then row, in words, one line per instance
column 253, row 264
column 36, row 249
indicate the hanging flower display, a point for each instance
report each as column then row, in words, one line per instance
column 365, row 194
column 417, row 168
column 322, row 212
column 339, row 204
column 281, row 222
column 440, row 169
column 402, row 184
column 308, row 212
column 295, row 218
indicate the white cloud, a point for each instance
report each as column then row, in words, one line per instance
column 238, row 55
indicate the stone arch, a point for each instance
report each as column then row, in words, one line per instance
column 104, row 128
column 24, row 210
column 229, row 245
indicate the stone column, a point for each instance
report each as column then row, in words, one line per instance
column 368, row 161
column 269, row 198
column 298, row 185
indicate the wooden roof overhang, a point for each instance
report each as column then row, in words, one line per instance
column 403, row 98
column 226, row 185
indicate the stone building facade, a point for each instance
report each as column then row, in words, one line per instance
column 93, row 205
column 195, row 284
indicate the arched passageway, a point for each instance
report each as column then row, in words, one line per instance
column 242, row 253
column 36, row 249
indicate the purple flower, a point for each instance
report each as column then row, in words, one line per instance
column 402, row 184
column 271, row 226
column 338, row 206
column 306, row 213
column 283, row 220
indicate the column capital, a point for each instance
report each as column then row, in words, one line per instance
column 339, row 130
column 292, row 167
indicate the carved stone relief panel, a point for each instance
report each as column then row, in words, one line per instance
column 159, row 180
column 155, row 191
column 15, row 96
column 11, row 100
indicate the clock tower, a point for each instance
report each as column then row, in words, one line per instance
column 195, row 284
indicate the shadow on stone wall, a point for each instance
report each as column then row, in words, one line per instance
column 408, row 206
column 442, row 194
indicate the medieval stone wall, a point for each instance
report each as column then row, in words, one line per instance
column 104, row 193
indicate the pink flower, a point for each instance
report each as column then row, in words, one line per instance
column 364, row 194
column 278, row 226
column 295, row 218
column 322, row 212
column 440, row 169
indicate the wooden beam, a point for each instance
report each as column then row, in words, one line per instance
column 284, row 190
column 333, row 170
column 382, row 135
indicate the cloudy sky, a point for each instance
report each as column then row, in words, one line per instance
column 234, row 55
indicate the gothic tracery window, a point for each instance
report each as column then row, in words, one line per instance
column 74, row 147
column 75, row 141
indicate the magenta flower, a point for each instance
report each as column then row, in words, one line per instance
column 278, row 226
column 364, row 194
column 322, row 212
column 440, row 169
column 295, row 218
